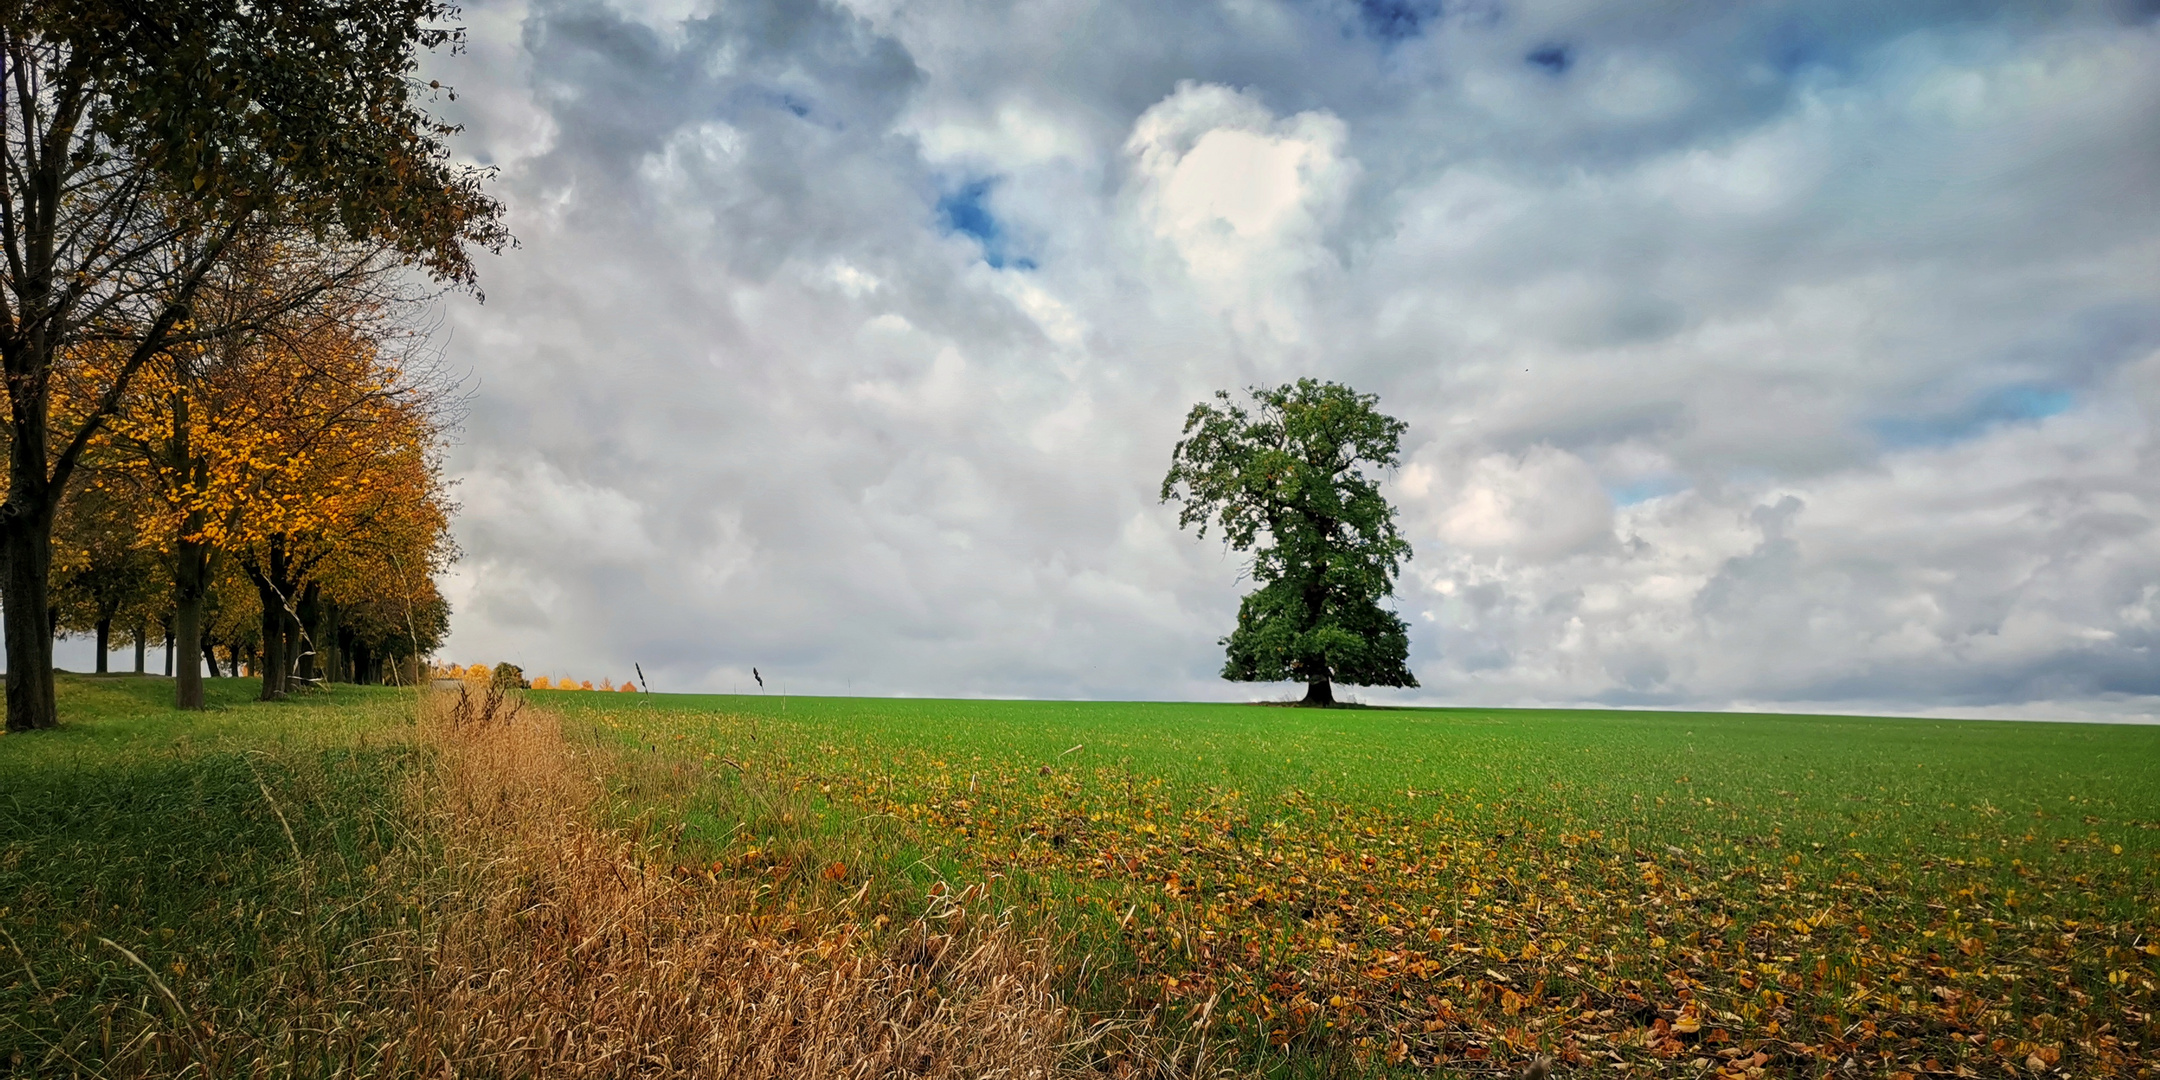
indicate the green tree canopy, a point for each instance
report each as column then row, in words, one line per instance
column 1287, row 482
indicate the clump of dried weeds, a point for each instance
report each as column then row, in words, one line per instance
column 544, row 942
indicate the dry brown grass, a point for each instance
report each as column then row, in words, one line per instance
column 543, row 943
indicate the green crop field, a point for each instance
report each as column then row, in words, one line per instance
column 1265, row 890
column 1460, row 885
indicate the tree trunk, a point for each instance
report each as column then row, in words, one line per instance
column 273, row 639
column 192, row 558
column 275, row 584
column 272, row 665
column 142, row 646
column 104, row 645
column 1319, row 687
column 294, row 646
column 26, row 540
column 307, row 634
column 209, row 655
column 326, row 643
column 26, row 518
column 191, row 590
column 167, row 624
column 268, row 572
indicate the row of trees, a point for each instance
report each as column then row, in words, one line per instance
column 544, row 683
column 510, row 676
column 276, row 488
column 212, row 213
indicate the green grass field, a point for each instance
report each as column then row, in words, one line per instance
column 1280, row 891
column 218, row 848
column 1415, row 886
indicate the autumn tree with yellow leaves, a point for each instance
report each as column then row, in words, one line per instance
column 301, row 452
column 104, row 577
column 139, row 142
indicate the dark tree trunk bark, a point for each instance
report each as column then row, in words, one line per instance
column 326, row 642
column 191, row 592
column 209, row 655
column 26, row 540
column 294, row 646
column 273, row 576
column 167, row 624
column 104, row 645
column 307, row 637
column 142, row 646
column 272, row 667
column 1319, row 685
column 26, row 518
column 192, row 565
column 273, row 647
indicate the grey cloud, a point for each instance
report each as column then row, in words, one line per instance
column 746, row 396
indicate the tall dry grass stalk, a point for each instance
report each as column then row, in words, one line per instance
column 542, row 943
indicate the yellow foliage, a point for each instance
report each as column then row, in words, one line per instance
column 314, row 438
column 586, row 685
column 626, row 687
column 540, row 682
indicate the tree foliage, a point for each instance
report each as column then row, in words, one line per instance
column 1287, row 482
column 105, row 580
column 303, row 451
column 140, row 141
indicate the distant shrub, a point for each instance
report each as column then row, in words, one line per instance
column 626, row 687
column 540, row 682
column 510, row 677
column 586, row 685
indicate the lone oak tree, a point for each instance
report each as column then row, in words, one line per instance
column 138, row 139
column 1286, row 482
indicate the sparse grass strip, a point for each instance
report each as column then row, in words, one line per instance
column 345, row 889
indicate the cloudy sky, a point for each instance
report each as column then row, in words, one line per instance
column 1797, row 355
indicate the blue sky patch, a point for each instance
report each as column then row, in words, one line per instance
column 1793, row 45
column 1642, row 489
column 1555, row 59
column 2021, row 403
column 965, row 210
column 774, row 99
column 1397, row 20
